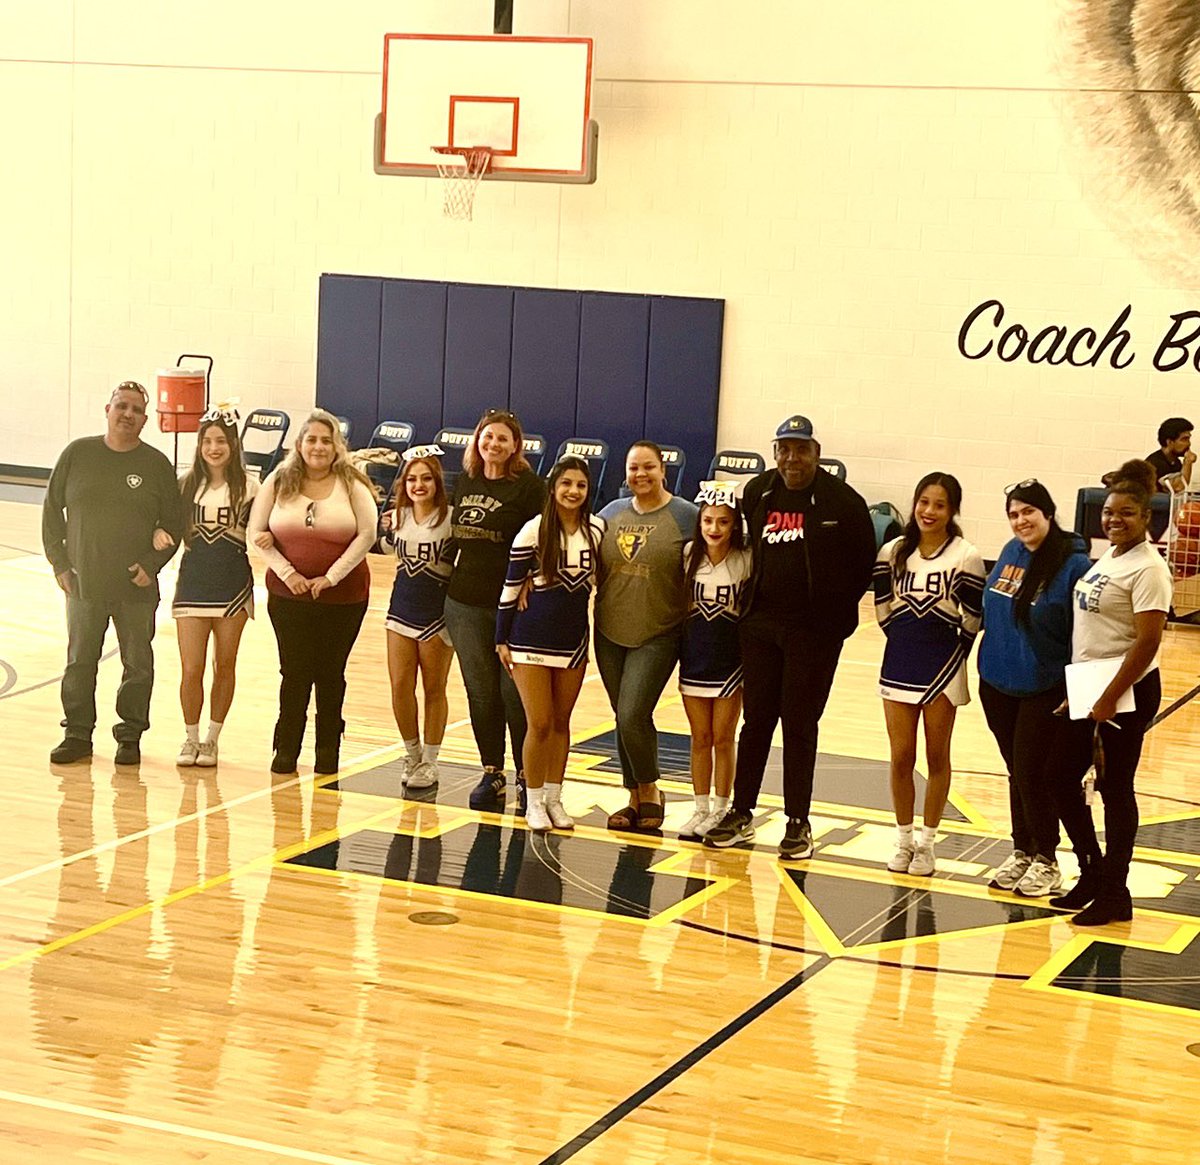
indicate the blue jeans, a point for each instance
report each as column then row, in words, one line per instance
column 87, row 624
column 492, row 697
column 634, row 678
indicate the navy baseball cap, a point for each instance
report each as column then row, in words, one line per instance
column 795, row 428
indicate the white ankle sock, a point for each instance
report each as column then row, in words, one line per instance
column 413, row 748
column 721, row 805
column 214, row 730
column 928, row 835
column 702, row 801
column 431, row 753
column 904, row 835
column 553, row 793
column 537, row 796
column 193, row 732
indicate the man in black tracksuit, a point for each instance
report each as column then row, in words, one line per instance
column 814, row 549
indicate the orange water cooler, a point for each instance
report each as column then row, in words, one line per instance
column 183, row 396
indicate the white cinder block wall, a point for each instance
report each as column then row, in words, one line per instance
column 852, row 179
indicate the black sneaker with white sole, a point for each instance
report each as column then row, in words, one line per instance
column 488, row 794
column 797, row 841
column 735, row 827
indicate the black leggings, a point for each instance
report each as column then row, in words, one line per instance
column 315, row 640
column 1122, row 751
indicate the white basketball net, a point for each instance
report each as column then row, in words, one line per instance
column 461, row 170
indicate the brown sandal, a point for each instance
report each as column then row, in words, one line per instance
column 625, row 818
column 651, row 814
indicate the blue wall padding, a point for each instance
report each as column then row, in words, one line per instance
column 682, row 372
column 569, row 363
column 545, row 362
column 478, row 351
column 348, row 349
column 412, row 354
column 614, row 335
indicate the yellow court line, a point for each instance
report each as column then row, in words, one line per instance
column 142, row 1122
column 1043, row 978
column 263, row 861
column 220, row 807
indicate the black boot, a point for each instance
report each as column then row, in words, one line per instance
column 329, row 740
column 1084, row 891
column 1112, row 903
column 289, row 735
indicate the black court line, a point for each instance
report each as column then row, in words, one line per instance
column 618, row 1113
column 1186, row 698
column 960, row 972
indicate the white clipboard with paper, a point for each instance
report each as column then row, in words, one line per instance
column 1086, row 683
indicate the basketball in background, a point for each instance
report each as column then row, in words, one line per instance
column 1188, row 520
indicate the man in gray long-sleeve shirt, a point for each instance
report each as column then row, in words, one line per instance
column 106, row 497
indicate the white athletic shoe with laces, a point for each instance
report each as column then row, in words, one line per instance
column 922, row 863
column 206, row 757
column 537, row 818
column 559, row 817
column 188, row 751
column 899, row 862
column 422, row 775
column 711, row 819
column 1011, row 870
column 688, row 830
column 1040, row 879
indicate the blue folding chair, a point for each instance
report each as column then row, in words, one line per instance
column 674, row 462
column 535, row 451
column 594, row 451
column 347, row 427
column 451, row 439
column 273, row 424
column 393, row 435
column 834, row 466
column 735, row 465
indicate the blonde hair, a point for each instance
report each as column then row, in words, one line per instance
column 290, row 475
column 473, row 460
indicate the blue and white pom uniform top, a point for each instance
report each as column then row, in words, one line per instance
column 710, row 662
column 553, row 629
column 215, row 580
column 930, row 615
column 416, row 609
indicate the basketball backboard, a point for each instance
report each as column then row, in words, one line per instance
column 527, row 98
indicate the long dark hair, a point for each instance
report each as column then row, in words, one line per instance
column 1049, row 558
column 911, row 538
column 400, row 498
column 235, row 475
column 552, row 538
column 699, row 551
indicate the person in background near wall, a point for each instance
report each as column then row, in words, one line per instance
column 716, row 565
column 542, row 630
column 1025, row 648
column 418, row 526
column 814, row 550
column 107, row 496
column 494, row 496
column 928, row 600
column 1121, row 606
column 215, row 592
column 639, row 613
column 1173, row 459
column 315, row 520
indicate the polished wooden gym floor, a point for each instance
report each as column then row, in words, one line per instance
column 221, row 966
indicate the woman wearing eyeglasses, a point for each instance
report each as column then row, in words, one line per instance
column 1026, row 646
column 494, row 496
column 1121, row 606
column 215, row 592
column 314, row 520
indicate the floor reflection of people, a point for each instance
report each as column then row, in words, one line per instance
column 90, row 997
column 205, row 930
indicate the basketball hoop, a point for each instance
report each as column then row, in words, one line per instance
column 461, row 168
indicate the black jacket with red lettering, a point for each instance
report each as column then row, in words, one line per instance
column 837, row 555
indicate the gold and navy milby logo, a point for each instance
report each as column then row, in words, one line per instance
column 133, row 480
column 631, row 539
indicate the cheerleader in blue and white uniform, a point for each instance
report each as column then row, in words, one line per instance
column 542, row 630
column 928, row 586
column 215, row 592
column 717, row 564
column 418, row 526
